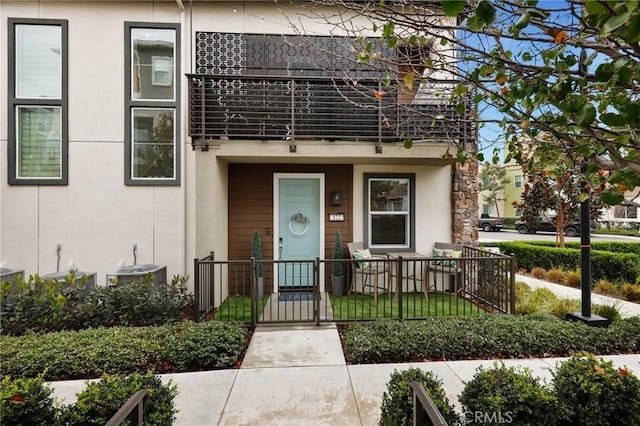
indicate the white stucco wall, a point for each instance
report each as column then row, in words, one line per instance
column 432, row 203
column 96, row 218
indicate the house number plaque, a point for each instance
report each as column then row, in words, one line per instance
column 336, row 217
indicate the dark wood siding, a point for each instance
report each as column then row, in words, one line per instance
column 251, row 206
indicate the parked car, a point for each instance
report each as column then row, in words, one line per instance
column 548, row 224
column 487, row 223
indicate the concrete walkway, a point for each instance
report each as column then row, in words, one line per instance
column 297, row 375
column 626, row 309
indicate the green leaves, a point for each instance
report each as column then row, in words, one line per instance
column 453, row 7
column 594, row 7
column 611, row 197
column 586, row 116
column 613, row 120
column 524, row 20
column 614, row 22
column 484, row 15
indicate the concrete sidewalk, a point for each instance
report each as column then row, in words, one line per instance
column 626, row 309
column 297, row 375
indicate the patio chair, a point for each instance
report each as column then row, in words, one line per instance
column 446, row 262
column 368, row 272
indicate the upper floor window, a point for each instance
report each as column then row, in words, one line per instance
column 38, row 123
column 389, row 211
column 625, row 212
column 517, row 181
column 152, row 107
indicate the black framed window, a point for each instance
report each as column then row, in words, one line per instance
column 38, row 122
column 389, row 211
column 152, row 98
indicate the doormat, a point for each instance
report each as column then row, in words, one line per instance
column 295, row 296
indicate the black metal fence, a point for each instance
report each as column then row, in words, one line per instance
column 204, row 286
column 478, row 282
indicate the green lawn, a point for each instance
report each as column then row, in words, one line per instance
column 238, row 308
column 358, row 306
column 362, row 306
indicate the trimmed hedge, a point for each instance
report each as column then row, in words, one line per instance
column 26, row 402
column 91, row 353
column 622, row 264
column 100, row 400
column 593, row 392
column 29, row 402
column 485, row 337
column 510, row 394
column 397, row 400
column 49, row 305
column 584, row 391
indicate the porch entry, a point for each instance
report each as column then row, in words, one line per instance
column 299, row 229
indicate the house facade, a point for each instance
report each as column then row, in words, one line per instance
column 508, row 197
column 155, row 132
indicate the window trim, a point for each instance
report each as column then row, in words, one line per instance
column 412, row 210
column 14, row 103
column 517, row 181
column 130, row 104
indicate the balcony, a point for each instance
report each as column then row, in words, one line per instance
column 324, row 108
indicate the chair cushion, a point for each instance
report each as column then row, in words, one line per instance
column 362, row 254
column 446, row 257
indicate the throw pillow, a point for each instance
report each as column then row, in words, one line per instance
column 445, row 257
column 362, row 254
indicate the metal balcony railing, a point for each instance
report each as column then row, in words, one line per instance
column 323, row 108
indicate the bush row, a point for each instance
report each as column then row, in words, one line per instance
column 51, row 305
column 489, row 336
column 611, row 265
column 90, row 353
column 612, row 246
column 584, row 391
column 29, row 401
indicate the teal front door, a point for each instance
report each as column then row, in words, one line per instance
column 299, row 225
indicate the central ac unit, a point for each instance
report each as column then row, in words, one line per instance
column 137, row 273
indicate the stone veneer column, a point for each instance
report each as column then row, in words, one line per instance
column 464, row 202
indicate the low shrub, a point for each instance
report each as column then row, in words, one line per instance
column 522, row 290
column 507, row 395
column 26, row 402
column 397, row 401
column 626, row 330
column 630, row 292
column 608, row 311
column 543, row 295
column 50, row 305
column 538, row 301
column 574, row 278
column 606, row 287
column 539, row 273
column 556, row 275
column 123, row 350
column 592, row 392
column 490, row 336
column 560, row 307
column 100, row 400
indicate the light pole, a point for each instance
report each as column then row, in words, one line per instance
column 585, row 256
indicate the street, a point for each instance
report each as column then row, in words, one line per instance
column 512, row 235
